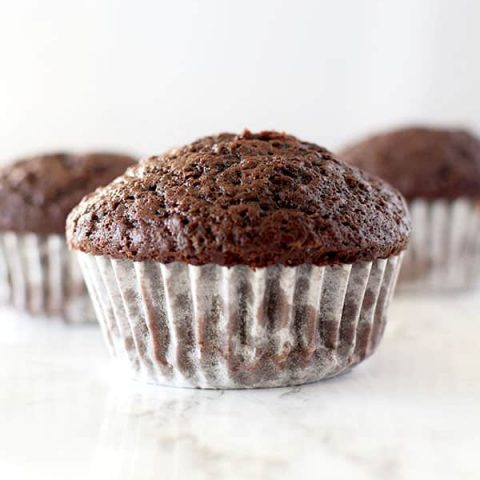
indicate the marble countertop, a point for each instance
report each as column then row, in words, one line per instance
column 412, row 411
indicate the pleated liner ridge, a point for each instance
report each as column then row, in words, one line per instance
column 444, row 248
column 39, row 275
column 237, row 327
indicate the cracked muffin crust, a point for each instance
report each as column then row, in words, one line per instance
column 253, row 199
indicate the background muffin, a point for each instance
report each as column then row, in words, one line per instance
column 38, row 273
column 438, row 171
column 241, row 261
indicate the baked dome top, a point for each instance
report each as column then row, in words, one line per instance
column 252, row 199
column 422, row 162
column 37, row 193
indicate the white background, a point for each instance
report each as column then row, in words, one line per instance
column 146, row 75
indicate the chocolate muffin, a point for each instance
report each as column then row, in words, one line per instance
column 438, row 171
column 241, row 261
column 37, row 272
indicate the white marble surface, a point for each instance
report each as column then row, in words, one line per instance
column 412, row 411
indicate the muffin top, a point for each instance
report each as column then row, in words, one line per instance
column 37, row 193
column 422, row 162
column 249, row 199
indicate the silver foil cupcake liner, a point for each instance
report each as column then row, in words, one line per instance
column 237, row 327
column 444, row 248
column 38, row 274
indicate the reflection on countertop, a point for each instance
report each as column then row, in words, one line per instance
column 411, row 411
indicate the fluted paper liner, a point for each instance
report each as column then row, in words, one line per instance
column 39, row 275
column 444, row 248
column 237, row 327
